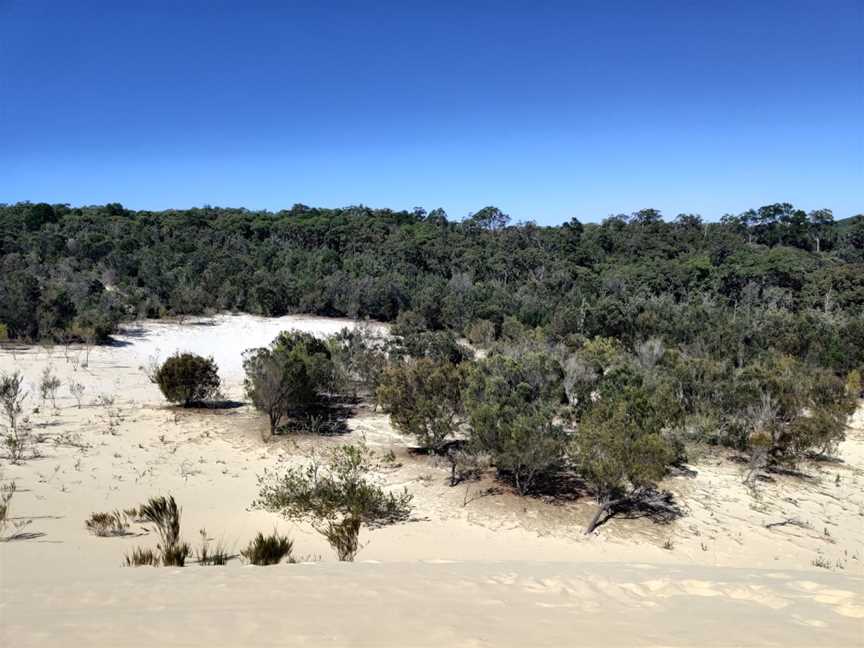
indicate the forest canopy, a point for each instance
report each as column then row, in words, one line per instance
column 775, row 277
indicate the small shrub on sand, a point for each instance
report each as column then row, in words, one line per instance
column 107, row 524
column 7, row 492
column 187, row 379
column 337, row 496
column 16, row 438
column 268, row 550
column 76, row 390
column 48, row 386
column 141, row 557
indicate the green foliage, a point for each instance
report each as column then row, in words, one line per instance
column 329, row 492
column 424, row 399
column 620, row 447
column 187, row 378
column 633, row 277
column 359, row 357
column 289, row 374
column 268, row 550
column 481, row 333
column 48, row 386
column 512, row 406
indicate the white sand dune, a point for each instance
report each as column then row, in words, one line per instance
column 474, row 568
column 444, row 604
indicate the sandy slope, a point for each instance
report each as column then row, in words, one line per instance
column 473, row 568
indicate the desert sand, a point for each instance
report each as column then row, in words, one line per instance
column 476, row 566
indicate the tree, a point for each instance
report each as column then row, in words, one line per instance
column 187, row 378
column 620, row 450
column 336, row 495
column 512, row 406
column 288, row 374
column 424, row 399
column 821, row 225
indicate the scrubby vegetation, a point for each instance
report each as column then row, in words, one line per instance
column 268, row 550
column 595, row 352
column 10, row 527
column 336, row 494
column 290, row 374
column 187, row 379
column 424, row 399
column 16, row 434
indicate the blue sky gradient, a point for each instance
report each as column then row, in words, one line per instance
column 547, row 110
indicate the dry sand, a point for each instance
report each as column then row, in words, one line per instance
column 472, row 569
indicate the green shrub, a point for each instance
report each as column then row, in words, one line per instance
column 291, row 373
column 187, row 378
column 329, row 494
column 268, row 550
column 512, row 406
column 424, row 399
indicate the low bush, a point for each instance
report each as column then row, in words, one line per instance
column 337, row 496
column 268, row 550
column 187, row 379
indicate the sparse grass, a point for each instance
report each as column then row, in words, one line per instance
column 344, row 537
column 268, row 550
column 668, row 544
column 141, row 557
column 107, row 524
column 821, row 561
column 164, row 514
column 217, row 555
column 175, row 555
column 7, row 492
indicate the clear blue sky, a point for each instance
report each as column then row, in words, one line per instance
column 547, row 110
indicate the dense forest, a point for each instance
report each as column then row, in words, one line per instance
column 774, row 277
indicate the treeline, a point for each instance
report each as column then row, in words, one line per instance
column 771, row 278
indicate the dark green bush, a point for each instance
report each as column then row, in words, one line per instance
column 187, row 378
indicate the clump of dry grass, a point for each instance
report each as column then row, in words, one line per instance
column 268, row 550
column 141, row 557
column 217, row 555
column 107, row 524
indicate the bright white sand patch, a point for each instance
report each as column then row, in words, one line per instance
column 225, row 337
